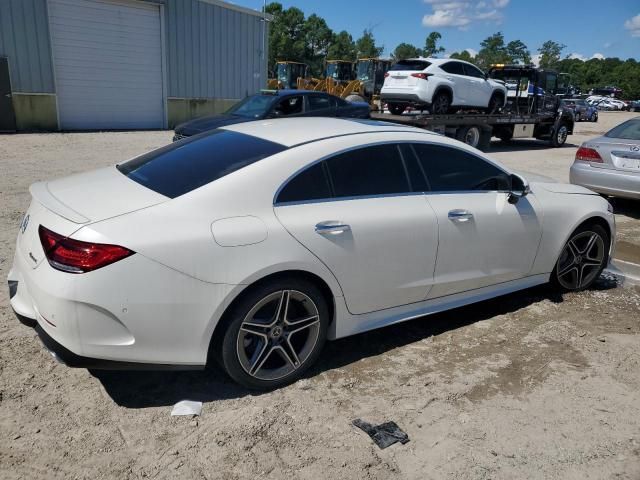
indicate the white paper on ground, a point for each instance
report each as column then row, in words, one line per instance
column 187, row 407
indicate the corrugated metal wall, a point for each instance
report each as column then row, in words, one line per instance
column 24, row 38
column 212, row 51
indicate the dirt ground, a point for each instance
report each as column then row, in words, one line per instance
column 531, row 385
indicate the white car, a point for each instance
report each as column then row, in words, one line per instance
column 440, row 85
column 254, row 243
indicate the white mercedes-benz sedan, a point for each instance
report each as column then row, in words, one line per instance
column 254, row 243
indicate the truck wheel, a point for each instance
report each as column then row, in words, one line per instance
column 559, row 135
column 396, row 108
column 469, row 135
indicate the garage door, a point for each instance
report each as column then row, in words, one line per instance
column 108, row 64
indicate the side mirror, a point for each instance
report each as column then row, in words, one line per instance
column 519, row 188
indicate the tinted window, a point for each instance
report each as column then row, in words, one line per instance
column 629, row 130
column 453, row 67
column 472, row 71
column 376, row 170
column 183, row 166
column 417, row 176
column 289, row 106
column 411, row 65
column 310, row 184
column 319, row 102
column 449, row 169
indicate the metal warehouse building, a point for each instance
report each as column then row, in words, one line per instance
column 126, row 64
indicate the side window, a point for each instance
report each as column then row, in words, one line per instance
column 310, row 184
column 289, row 106
column 319, row 102
column 472, row 71
column 375, row 170
column 453, row 68
column 449, row 169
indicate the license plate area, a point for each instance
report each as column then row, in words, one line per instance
column 626, row 162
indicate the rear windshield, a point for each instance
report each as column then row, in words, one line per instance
column 186, row 165
column 629, row 130
column 411, row 65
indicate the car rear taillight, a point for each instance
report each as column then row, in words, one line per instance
column 423, row 76
column 74, row 256
column 386, row 74
column 586, row 154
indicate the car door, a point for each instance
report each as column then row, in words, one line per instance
column 320, row 105
column 357, row 214
column 480, row 89
column 483, row 239
column 454, row 72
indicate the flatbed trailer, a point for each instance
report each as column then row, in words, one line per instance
column 478, row 129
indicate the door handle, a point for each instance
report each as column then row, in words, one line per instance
column 460, row 215
column 332, row 227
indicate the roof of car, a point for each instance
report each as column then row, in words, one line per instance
column 296, row 131
column 287, row 92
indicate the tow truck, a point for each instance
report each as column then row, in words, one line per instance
column 532, row 110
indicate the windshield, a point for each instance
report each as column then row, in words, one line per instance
column 332, row 70
column 364, row 71
column 254, row 106
column 283, row 73
column 629, row 130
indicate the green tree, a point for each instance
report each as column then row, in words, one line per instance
column 550, row 53
column 366, row 46
column 431, row 48
column 492, row 51
column 318, row 38
column 463, row 55
column 519, row 52
column 342, row 47
column 286, row 34
column 406, row 50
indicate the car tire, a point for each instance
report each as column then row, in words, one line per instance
column 264, row 345
column 396, row 108
column 441, row 103
column 495, row 103
column 559, row 135
column 581, row 262
column 594, row 117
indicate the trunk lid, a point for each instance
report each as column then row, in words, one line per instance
column 618, row 154
column 66, row 204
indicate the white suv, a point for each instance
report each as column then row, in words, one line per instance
column 440, row 85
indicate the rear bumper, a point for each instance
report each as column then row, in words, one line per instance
column 128, row 314
column 70, row 359
column 605, row 181
column 401, row 97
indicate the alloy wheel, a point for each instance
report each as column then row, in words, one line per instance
column 562, row 134
column 278, row 335
column 581, row 260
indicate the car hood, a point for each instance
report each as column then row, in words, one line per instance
column 94, row 196
column 565, row 188
column 211, row 122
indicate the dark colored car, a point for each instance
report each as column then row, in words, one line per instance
column 581, row 109
column 276, row 104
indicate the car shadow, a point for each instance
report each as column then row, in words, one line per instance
column 143, row 389
column 518, row 145
column 627, row 207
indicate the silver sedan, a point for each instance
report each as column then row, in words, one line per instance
column 611, row 164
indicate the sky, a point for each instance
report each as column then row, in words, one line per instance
column 609, row 28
